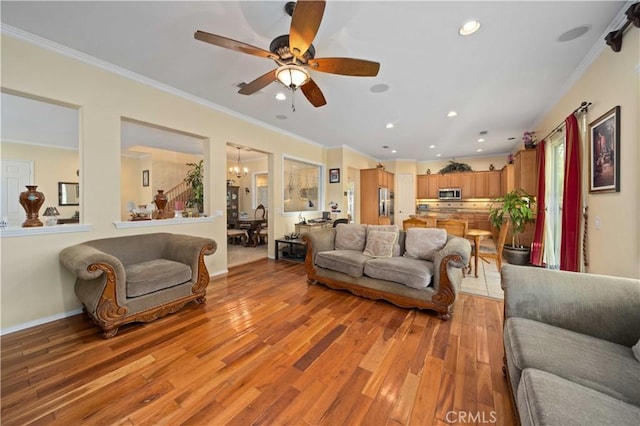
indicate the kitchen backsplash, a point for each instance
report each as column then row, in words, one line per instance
column 479, row 204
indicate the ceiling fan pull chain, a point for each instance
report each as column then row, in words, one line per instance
column 293, row 100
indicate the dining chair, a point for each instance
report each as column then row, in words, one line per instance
column 414, row 222
column 339, row 221
column 455, row 227
column 490, row 249
column 384, row 220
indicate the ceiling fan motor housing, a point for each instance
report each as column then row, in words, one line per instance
column 280, row 47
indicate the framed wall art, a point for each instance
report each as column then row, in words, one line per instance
column 334, row 175
column 145, row 178
column 604, row 152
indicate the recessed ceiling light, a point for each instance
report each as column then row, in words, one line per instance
column 451, row 114
column 479, row 150
column 574, row 33
column 389, row 126
column 438, row 155
column 393, row 151
column 469, row 28
column 379, row 88
column 481, row 140
column 281, row 96
column 432, row 146
column 281, row 117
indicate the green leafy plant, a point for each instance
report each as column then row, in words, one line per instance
column 194, row 180
column 455, row 167
column 516, row 207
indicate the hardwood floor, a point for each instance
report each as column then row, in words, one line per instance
column 268, row 349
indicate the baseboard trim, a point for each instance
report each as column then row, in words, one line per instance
column 39, row 321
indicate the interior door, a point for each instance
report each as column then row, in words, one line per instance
column 405, row 198
column 15, row 176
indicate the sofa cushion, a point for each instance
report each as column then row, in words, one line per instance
column 350, row 262
column 424, row 243
column 546, row 399
column 604, row 366
column 380, row 243
column 387, row 228
column 350, row 236
column 153, row 275
column 413, row 273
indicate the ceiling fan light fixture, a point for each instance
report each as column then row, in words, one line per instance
column 292, row 76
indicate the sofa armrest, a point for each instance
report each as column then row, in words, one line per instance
column 455, row 248
column 187, row 249
column 322, row 240
column 80, row 257
column 596, row 305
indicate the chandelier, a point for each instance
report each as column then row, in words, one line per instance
column 237, row 170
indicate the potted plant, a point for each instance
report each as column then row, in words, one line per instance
column 517, row 208
column 194, row 180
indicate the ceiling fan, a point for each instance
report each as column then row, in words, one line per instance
column 295, row 55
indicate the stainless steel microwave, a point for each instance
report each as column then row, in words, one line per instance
column 450, row 194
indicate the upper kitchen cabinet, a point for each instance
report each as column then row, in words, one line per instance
column 526, row 175
column 464, row 181
column 486, row 184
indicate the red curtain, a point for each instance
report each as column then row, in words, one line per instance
column 537, row 247
column 570, row 243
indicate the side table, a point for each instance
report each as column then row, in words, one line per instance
column 294, row 250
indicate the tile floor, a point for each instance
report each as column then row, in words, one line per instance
column 487, row 283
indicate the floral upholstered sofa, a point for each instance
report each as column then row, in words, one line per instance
column 420, row 267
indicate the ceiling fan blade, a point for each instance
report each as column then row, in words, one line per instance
column 313, row 93
column 259, row 83
column 228, row 43
column 345, row 66
column 305, row 22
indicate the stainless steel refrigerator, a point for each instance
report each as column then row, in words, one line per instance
column 384, row 202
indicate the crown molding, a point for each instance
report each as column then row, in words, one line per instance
column 60, row 49
column 586, row 62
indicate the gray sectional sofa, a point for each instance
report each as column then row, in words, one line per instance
column 572, row 346
column 419, row 268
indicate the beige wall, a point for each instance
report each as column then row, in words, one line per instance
column 34, row 285
column 611, row 80
column 51, row 165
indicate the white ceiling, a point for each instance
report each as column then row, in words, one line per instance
column 500, row 80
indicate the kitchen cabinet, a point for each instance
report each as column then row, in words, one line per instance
column 525, row 171
column 371, row 181
column 422, row 182
column 433, row 185
column 486, row 184
column 462, row 181
column 507, row 179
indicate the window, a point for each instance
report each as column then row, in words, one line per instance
column 302, row 183
column 261, row 189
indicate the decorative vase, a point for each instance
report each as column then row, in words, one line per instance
column 161, row 202
column 31, row 200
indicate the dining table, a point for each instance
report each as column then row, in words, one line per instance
column 252, row 226
column 477, row 235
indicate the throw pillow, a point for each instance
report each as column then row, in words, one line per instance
column 387, row 228
column 380, row 243
column 424, row 243
column 350, row 236
column 636, row 350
